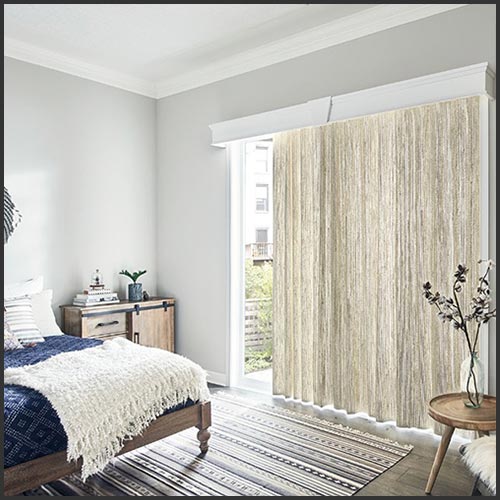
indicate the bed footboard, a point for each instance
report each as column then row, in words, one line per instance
column 43, row 470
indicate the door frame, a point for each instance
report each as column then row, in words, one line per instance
column 237, row 190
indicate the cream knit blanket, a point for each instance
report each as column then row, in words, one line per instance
column 107, row 394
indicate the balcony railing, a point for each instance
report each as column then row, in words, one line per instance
column 259, row 251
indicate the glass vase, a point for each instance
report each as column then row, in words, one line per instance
column 472, row 381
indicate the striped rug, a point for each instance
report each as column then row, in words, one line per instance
column 255, row 450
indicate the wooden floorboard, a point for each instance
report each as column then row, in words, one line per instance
column 406, row 478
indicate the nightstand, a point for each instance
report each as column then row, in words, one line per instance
column 149, row 323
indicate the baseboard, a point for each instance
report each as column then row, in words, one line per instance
column 217, row 378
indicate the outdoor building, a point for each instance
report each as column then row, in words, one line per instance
column 259, row 202
column 258, row 231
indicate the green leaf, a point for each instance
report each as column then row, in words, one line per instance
column 133, row 276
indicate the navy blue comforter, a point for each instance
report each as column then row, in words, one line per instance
column 32, row 428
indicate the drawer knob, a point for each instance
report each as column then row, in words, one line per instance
column 109, row 323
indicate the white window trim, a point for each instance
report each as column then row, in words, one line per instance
column 236, row 352
column 484, row 116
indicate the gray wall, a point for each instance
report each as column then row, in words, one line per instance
column 80, row 165
column 193, row 177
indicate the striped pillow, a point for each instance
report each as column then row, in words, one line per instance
column 19, row 317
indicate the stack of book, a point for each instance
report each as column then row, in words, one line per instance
column 96, row 296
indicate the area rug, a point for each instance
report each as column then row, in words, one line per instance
column 255, row 450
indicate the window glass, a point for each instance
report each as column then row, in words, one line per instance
column 262, row 198
column 261, row 235
column 261, row 156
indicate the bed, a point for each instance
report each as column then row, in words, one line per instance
column 34, row 439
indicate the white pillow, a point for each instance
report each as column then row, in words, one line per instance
column 29, row 287
column 43, row 313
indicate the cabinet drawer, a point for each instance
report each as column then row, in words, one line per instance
column 106, row 324
column 110, row 336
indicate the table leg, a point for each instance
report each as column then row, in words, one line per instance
column 438, row 460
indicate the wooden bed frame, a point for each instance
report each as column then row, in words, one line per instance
column 51, row 467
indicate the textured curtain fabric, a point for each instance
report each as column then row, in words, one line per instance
column 366, row 211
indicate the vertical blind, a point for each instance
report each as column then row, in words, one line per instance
column 367, row 210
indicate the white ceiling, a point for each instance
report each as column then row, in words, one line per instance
column 160, row 50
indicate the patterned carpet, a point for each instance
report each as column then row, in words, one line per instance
column 255, row 450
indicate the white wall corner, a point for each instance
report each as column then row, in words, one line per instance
column 48, row 59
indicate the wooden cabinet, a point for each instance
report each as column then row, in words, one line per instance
column 154, row 328
column 149, row 323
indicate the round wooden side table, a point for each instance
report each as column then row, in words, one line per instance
column 449, row 409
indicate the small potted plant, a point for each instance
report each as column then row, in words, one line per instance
column 134, row 289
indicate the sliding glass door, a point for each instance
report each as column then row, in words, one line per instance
column 251, row 264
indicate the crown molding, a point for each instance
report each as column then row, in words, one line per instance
column 30, row 53
column 367, row 22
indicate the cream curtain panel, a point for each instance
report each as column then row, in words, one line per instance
column 366, row 211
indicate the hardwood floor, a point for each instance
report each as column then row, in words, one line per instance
column 409, row 476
